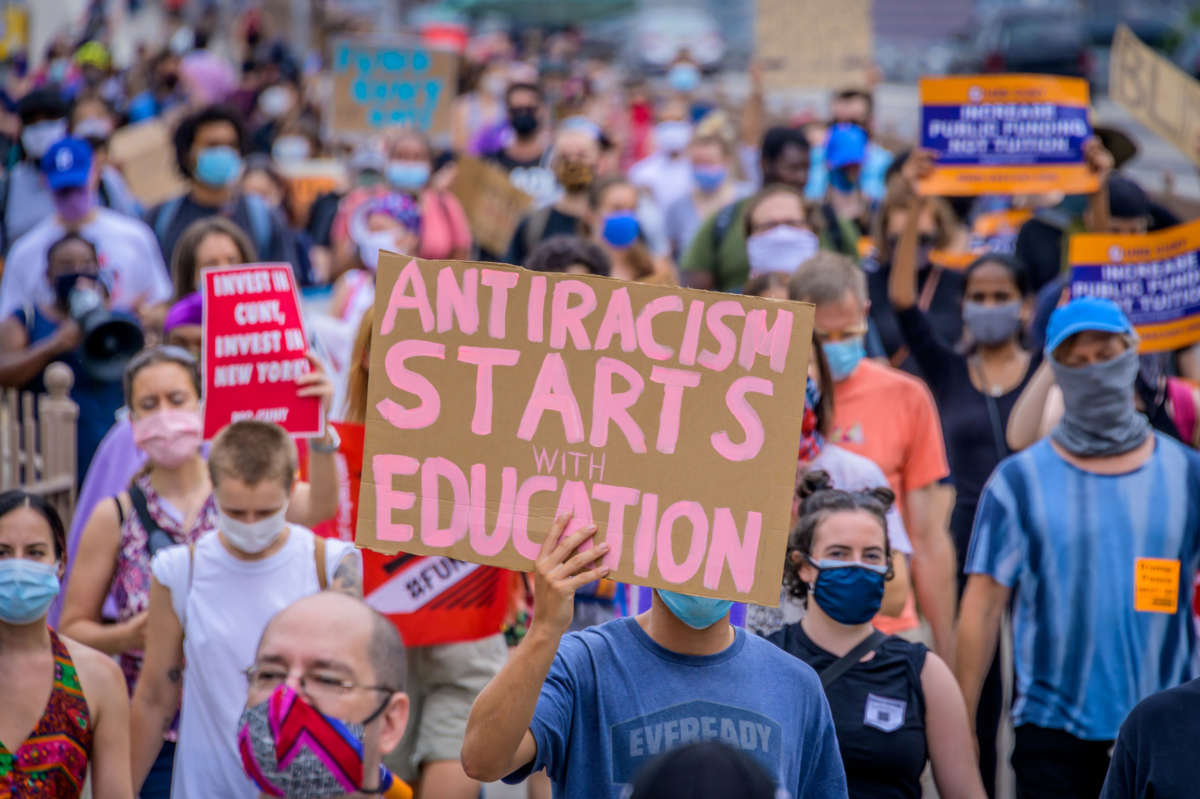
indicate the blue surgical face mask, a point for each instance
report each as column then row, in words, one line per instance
column 27, row 587
column 620, row 229
column 708, row 178
column 848, row 592
column 218, row 166
column 843, row 356
column 408, row 175
column 683, row 77
column 697, row 612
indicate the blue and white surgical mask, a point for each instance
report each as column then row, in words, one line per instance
column 27, row 587
column 697, row 612
column 218, row 166
column 844, row 356
column 408, row 175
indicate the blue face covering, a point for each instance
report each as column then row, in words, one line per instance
column 218, row 166
column 408, row 175
column 683, row 78
column 620, row 229
column 843, row 356
column 709, row 178
column 27, row 587
column 841, row 181
column 697, row 612
column 848, row 592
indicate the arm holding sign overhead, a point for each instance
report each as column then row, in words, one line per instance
column 317, row 500
column 498, row 740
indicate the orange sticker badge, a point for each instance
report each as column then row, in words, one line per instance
column 1156, row 585
column 1006, row 134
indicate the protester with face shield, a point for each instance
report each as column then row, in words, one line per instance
column 66, row 715
column 576, row 154
column 24, row 195
column 1104, row 508
column 895, row 704
column 559, row 702
column 210, row 601
column 330, row 666
column 889, row 417
column 36, row 335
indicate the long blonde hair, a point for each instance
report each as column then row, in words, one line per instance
column 355, row 410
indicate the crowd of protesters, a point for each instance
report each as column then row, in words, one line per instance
column 977, row 447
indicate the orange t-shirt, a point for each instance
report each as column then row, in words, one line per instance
column 889, row 416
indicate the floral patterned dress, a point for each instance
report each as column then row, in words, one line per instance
column 53, row 761
column 131, row 578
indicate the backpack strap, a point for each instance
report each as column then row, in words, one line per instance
column 120, row 511
column 723, row 222
column 833, row 672
column 259, row 216
column 166, row 217
column 319, row 546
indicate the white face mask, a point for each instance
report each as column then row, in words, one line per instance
column 287, row 149
column 37, row 138
column 252, row 537
column 781, row 249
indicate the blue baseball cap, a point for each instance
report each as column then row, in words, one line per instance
column 67, row 164
column 846, row 145
column 1085, row 313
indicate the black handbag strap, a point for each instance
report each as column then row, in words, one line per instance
column 835, row 670
column 156, row 537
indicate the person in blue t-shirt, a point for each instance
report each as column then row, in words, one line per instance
column 591, row 707
column 1092, row 536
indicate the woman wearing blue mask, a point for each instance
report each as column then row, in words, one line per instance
column 615, row 227
column 713, row 185
column 65, row 713
column 976, row 385
column 895, row 704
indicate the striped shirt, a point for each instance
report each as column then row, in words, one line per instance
column 1074, row 547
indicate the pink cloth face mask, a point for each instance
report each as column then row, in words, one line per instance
column 168, row 437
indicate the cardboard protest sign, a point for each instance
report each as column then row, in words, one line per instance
column 814, row 44
column 1006, row 134
column 993, row 232
column 431, row 600
column 309, row 179
column 379, row 84
column 145, row 155
column 492, row 203
column 1155, row 278
column 254, row 349
column 499, row 398
column 1157, row 93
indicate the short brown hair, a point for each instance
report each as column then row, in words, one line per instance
column 253, row 451
column 183, row 258
column 826, row 277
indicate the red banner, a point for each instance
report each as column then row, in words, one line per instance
column 431, row 600
column 254, row 349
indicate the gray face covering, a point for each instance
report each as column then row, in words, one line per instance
column 1099, row 418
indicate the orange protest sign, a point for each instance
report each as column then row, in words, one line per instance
column 993, row 232
column 308, row 180
column 1154, row 277
column 1006, row 134
column 493, row 205
column 499, row 398
column 1156, row 585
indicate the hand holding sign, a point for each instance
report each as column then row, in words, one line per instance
column 316, row 383
column 562, row 568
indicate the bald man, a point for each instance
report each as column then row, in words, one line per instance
column 346, row 661
column 574, row 159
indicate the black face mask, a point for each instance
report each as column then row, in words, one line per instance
column 524, row 121
column 169, row 81
column 65, row 284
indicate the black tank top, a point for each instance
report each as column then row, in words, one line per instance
column 879, row 712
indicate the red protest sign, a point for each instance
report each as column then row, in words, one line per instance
column 431, row 600
column 254, row 349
